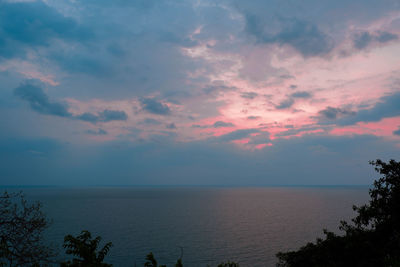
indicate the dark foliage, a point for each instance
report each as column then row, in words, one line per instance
column 152, row 262
column 228, row 264
column 84, row 247
column 21, row 232
column 371, row 239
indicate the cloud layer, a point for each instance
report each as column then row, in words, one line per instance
column 198, row 92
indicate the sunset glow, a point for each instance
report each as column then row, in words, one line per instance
column 139, row 86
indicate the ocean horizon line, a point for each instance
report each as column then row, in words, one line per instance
column 191, row 186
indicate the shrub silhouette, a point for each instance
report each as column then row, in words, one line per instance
column 85, row 248
column 152, row 262
column 371, row 239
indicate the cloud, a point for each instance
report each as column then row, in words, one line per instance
column 221, row 124
column 214, row 89
column 171, row 126
column 78, row 62
column 217, row 124
column 313, row 160
column 40, row 102
column 106, row 115
column 98, row 132
column 362, row 40
column 237, row 135
column 177, row 39
column 301, row 94
column 249, row 95
column 28, row 24
column 200, row 126
column 153, row 106
column 302, row 35
column 397, row 132
column 287, row 103
column 261, row 138
column 112, row 115
column 150, row 121
column 384, row 37
column 332, row 113
column 387, row 106
column 253, row 117
column 291, row 131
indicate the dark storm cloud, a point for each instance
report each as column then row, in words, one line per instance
column 153, row 106
column 302, row 35
column 40, row 102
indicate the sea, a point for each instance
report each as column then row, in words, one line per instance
column 203, row 225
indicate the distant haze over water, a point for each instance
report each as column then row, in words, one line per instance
column 247, row 225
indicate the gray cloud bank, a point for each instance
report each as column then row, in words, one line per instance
column 387, row 106
column 312, row 160
column 40, row 102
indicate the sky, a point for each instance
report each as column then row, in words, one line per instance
column 198, row 92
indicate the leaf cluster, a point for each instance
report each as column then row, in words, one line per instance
column 86, row 249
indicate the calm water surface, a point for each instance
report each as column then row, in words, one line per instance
column 247, row 225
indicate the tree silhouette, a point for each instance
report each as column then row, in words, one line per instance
column 371, row 239
column 21, row 232
column 85, row 248
column 152, row 262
